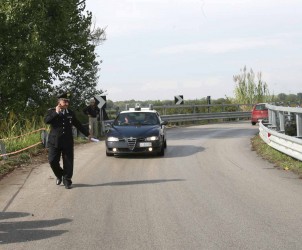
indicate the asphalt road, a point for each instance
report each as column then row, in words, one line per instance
column 210, row 191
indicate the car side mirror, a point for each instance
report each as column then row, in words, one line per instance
column 108, row 126
column 164, row 123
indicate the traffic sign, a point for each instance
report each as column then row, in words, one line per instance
column 209, row 100
column 101, row 101
column 179, row 99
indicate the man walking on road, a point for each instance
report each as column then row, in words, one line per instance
column 93, row 113
column 60, row 139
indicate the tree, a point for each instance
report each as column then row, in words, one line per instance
column 45, row 46
column 250, row 89
column 282, row 97
column 299, row 96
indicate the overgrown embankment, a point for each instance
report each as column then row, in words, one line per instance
column 280, row 160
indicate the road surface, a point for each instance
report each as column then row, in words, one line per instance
column 210, row 191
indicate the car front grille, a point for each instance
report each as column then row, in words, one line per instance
column 131, row 142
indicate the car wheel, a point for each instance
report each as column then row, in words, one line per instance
column 162, row 150
column 109, row 154
column 165, row 144
column 253, row 123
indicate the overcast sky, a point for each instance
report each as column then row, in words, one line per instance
column 156, row 49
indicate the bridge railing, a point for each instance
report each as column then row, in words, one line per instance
column 205, row 116
column 196, row 117
column 273, row 132
column 278, row 116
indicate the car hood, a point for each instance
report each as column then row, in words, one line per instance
column 133, row 131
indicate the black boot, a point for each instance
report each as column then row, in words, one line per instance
column 58, row 181
column 67, row 183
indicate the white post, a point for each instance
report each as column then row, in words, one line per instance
column 299, row 124
column 281, row 121
column 2, row 149
column 44, row 138
column 270, row 116
column 274, row 120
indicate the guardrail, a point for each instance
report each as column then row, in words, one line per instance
column 199, row 117
column 203, row 108
column 286, row 144
column 277, row 117
column 272, row 133
column 205, row 116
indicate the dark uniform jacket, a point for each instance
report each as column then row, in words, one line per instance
column 61, row 127
column 92, row 111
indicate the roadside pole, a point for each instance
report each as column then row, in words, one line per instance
column 101, row 104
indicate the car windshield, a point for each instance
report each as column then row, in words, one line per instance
column 260, row 107
column 136, row 118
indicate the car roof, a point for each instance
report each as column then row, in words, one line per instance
column 142, row 110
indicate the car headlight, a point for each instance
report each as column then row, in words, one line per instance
column 152, row 138
column 112, row 139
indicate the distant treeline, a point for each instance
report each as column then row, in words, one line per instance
column 122, row 104
column 288, row 100
column 285, row 99
column 281, row 99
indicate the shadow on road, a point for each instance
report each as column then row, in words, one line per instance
column 213, row 133
column 126, row 183
column 174, row 151
column 23, row 231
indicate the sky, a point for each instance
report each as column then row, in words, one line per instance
column 158, row 49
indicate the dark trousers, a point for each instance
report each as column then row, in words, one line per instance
column 54, row 155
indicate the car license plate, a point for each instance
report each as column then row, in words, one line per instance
column 145, row 144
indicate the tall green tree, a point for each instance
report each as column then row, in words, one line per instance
column 299, row 97
column 282, row 97
column 46, row 46
column 250, row 88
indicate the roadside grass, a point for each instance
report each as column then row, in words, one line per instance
column 11, row 163
column 280, row 160
column 15, row 126
column 35, row 155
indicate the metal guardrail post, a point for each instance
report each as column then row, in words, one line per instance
column 299, row 124
column 274, row 119
column 44, row 138
column 2, row 149
column 281, row 121
column 290, row 145
column 270, row 116
column 103, row 128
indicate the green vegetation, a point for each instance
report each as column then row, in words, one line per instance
column 14, row 127
column 46, row 47
column 121, row 105
column 289, row 100
column 249, row 89
column 280, row 160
